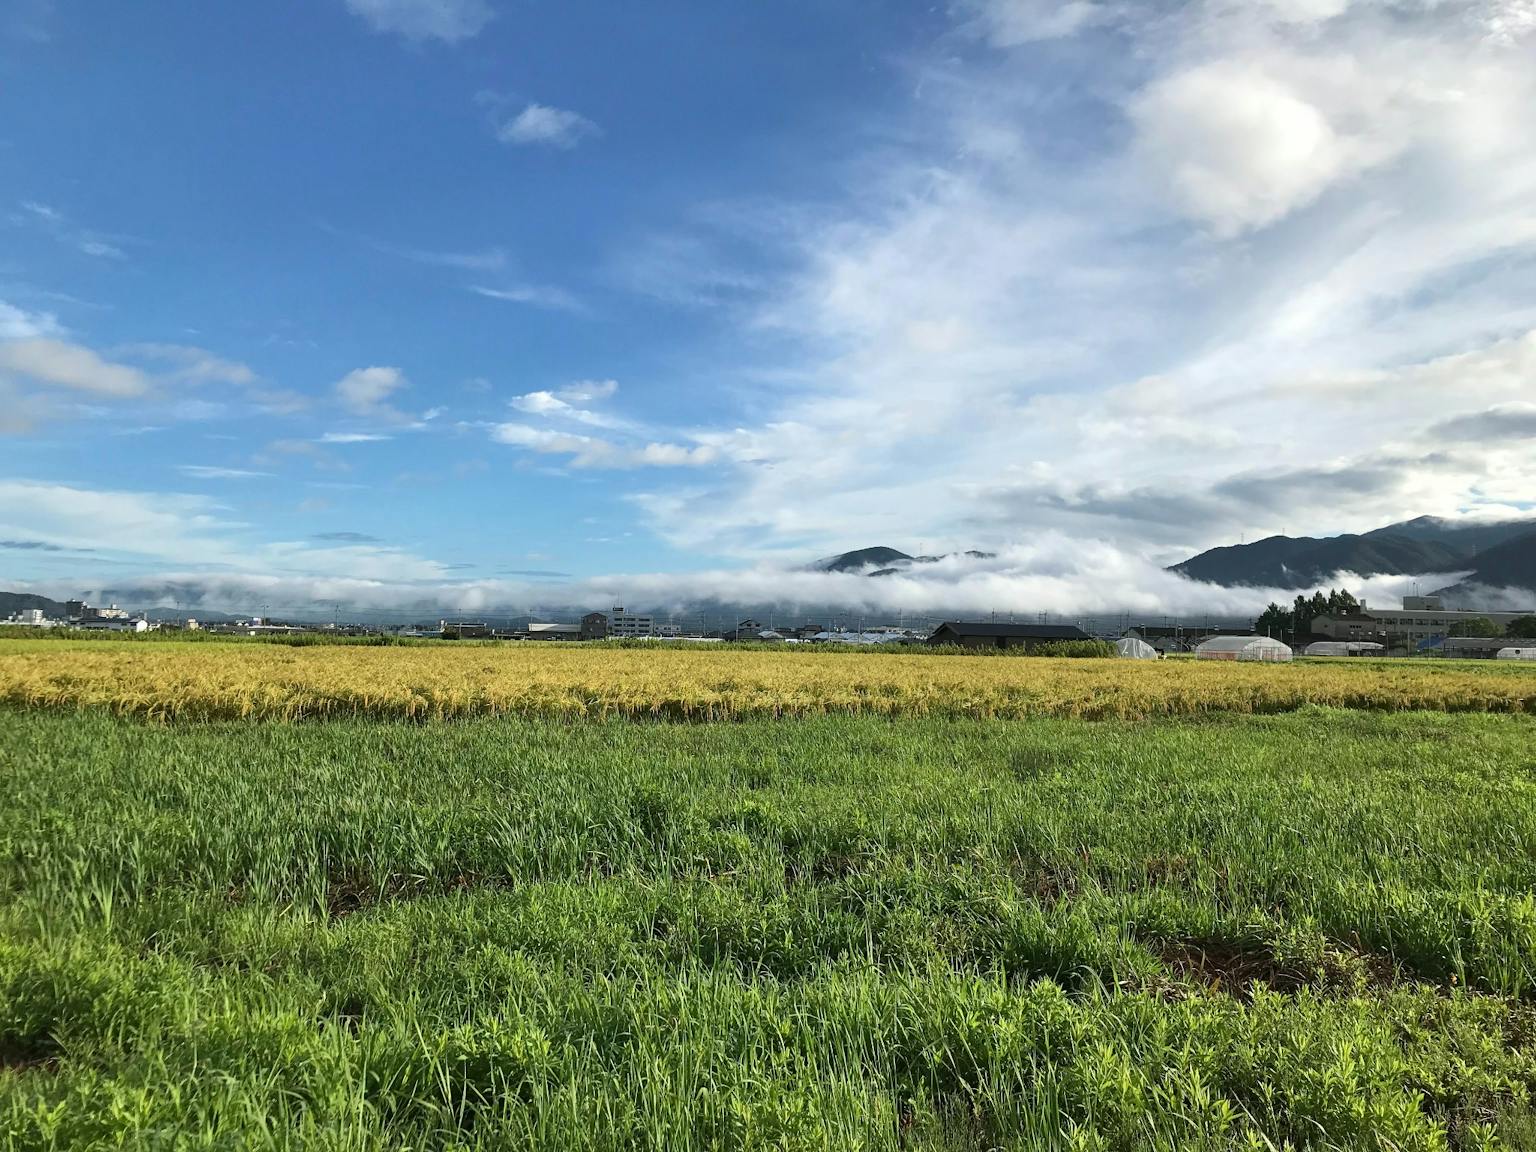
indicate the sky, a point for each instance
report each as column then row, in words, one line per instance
column 506, row 302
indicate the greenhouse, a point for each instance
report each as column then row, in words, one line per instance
column 1246, row 648
column 1131, row 648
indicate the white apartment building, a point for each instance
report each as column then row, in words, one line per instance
column 628, row 624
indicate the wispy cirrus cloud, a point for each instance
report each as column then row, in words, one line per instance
column 535, row 295
column 352, row 438
column 218, row 472
column 86, row 241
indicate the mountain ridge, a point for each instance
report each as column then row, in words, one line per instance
column 1496, row 554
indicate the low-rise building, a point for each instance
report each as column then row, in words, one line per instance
column 114, row 624
column 1473, row 647
column 554, row 631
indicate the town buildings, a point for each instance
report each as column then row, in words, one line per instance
column 1421, row 619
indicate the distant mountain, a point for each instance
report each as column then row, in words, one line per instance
column 880, row 561
column 202, row 615
column 12, row 602
column 1415, row 548
column 861, row 559
column 1511, row 564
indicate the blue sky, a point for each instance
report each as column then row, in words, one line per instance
column 480, row 301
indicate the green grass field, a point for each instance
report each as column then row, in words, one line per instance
column 1314, row 930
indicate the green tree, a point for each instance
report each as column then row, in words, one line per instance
column 1301, row 615
column 1307, row 609
column 1524, row 628
column 1274, row 621
column 1477, row 626
column 1341, row 602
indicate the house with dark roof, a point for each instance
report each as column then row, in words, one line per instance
column 988, row 635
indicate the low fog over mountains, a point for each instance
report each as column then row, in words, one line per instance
column 1485, row 566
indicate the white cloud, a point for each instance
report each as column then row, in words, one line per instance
column 365, row 390
column 95, row 246
column 446, row 20
column 42, row 360
column 588, row 391
column 676, row 455
column 542, row 124
column 1010, row 23
column 594, row 452
column 19, row 324
column 352, row 438
column 1235, row 148
column 179, row 529
column 43, row 211
column 996, row 335
column 540, row 404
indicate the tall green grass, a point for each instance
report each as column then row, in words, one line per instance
column 1313, row 930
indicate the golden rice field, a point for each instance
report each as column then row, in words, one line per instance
column 227, row 681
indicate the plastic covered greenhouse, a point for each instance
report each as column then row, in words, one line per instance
column 1131, row 648
column 1253, row 648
